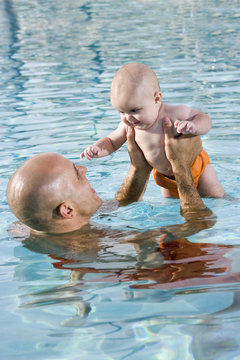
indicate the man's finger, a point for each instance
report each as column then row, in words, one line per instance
column 168, row 128
column 130, row 132
column 131, row 138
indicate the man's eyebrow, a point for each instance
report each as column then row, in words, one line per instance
column 76, row 171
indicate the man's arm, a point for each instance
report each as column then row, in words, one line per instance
column 135, row 182
column 181, row 152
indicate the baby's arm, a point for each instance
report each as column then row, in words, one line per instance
column 191, row 121
column 106, row 145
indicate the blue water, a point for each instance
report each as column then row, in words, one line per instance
column 118, row 300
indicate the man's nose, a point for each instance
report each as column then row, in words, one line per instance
column 81, row 169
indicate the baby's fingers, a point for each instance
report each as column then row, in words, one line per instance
column 82, row 155
column 182, row 126
column 176, row 123
column 87, row 153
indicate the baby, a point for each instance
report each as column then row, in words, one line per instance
column 135, row 93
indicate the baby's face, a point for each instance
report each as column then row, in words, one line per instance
column 138, row 109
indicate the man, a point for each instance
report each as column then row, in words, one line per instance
column 51, row 195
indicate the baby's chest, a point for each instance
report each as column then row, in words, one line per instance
column 152, row 145
column 149, row 141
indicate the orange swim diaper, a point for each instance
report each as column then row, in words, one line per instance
column 197, row 167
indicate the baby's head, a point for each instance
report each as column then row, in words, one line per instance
column 135, row 93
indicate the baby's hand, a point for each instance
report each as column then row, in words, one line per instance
column 90, row 152
column 185, row 127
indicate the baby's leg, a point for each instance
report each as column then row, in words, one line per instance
column 209, row 185
column 166, row 193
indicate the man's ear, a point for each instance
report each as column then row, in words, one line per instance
column 66, row 210
column 158, row 97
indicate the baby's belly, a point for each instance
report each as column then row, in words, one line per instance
column 160, row 163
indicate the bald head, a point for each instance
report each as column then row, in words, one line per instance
column 33, row 191
column 134, row 77
column 50, row 194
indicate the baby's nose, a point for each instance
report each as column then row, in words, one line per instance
column 128, row 117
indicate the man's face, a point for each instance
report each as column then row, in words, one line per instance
column 75, row 187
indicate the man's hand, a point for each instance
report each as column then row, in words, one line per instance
column 181, row 152
column 135, row 182
column 136, row 155
column 182, row 149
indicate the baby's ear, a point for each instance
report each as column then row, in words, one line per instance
column 158, row 97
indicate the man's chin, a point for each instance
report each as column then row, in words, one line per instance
column 99, row 202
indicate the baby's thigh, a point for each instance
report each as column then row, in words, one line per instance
column 209, row 185
column 166, row 193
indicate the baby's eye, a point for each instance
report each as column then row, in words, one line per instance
column 134, row 110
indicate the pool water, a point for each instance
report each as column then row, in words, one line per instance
column 119, row 299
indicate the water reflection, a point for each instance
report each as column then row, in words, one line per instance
column 156, row 259
column 153, row 284
column 174, row 265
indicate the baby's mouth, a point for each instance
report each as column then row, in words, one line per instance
column 135, row 123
